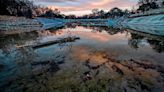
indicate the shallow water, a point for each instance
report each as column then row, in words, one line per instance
column 102, row 60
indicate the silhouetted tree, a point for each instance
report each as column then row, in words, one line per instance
column 145, row 5
column 116, row 12
column 113, row 13
column 16, row 8
column 70, row 17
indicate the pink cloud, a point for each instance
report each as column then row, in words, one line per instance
column 92, row 4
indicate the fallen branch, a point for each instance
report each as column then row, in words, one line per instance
column 62, row 40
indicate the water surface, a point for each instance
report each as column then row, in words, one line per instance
column 102, row 60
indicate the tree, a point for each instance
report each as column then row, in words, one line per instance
column 70, row 17
column 26, row 8
column 16, row 8
column 116, row 12
column 145, row 5
column 95, row 11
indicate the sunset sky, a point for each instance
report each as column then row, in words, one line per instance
column 81, row 7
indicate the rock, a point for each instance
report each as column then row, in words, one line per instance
column 160, row 69
column 158, row 89
column 97, row 72
column 118, row 70
column 60, row 61
column 91, row 67
column 87, row 76
column 142, row 84
column 53, row 67
column 128, row 89
column 50, row 66
column 95, row 67
column 1, row 67
column 40, row 63
column 145, row 65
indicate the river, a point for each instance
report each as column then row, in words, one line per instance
column 102, row 59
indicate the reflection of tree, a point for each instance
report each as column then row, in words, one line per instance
column 71, row 25
column 136, row 40
column 25, row 54
column 10, row 41
column 108, row 29
column 56, row 28
column 157, row 45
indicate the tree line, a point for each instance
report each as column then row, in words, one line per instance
column 16, row 8
column 101, row 14
column 26, row 8
column 146, row 5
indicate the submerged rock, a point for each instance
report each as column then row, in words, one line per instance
column 92, row 67
column 87, row 76
column 117, row 69
column 1, row 67
column 41, row 63
column 53, row 67
column 48, row 66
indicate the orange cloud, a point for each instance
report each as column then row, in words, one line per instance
column 84, row 8
column 101, row 3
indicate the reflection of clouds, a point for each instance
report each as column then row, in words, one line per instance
column 102, row 37
column 82, row 53
column 101, row 59
column 93, row 34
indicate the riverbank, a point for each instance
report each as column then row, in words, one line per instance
column 14, row 25
column 11, row 24
column 148, row 13
column 152, row 24
column 9, row 21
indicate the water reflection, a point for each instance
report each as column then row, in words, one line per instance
column 104, row 59
column 136, row 39
column 157, row 43
column 105, row 38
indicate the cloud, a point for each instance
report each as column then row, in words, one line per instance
column 101, row 2
column 54, row 0
column 77, row 6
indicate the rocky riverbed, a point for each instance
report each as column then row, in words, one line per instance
column 81, row 59
column 99, row 73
